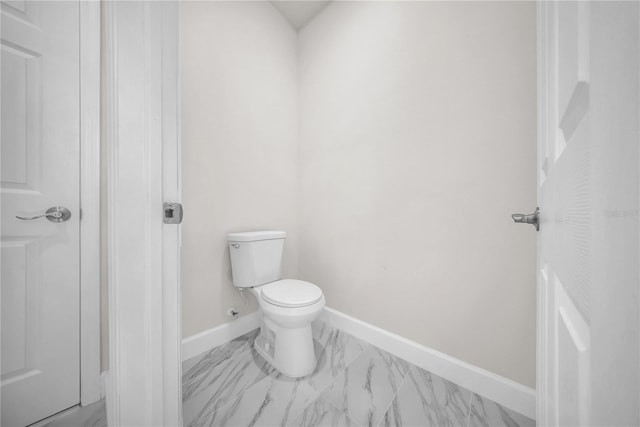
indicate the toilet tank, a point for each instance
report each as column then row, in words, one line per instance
column 256, row 257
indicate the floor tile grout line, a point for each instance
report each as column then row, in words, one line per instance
column 469, row 412
column 318, row 395
column 300, row 412
column 395, row 395
column 230, row 399
column 333, row 378
column 365, row 349
column 311, row 402
column 342, row 412
column 323, row 389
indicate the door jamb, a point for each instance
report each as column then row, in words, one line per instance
column 143, row 384
column 90, row 378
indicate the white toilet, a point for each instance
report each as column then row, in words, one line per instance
column 288, row 306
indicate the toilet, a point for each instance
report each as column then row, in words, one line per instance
column 288, row 306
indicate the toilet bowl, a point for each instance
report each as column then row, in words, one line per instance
column 288, row 306
column 285, row 339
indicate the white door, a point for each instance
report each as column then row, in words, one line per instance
column 588, row 324
column 40, row 169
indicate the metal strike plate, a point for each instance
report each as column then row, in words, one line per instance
column 172, row 213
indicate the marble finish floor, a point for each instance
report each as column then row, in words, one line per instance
column 354, row 384
column 93, row 415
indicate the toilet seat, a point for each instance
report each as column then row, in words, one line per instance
column 291, row 293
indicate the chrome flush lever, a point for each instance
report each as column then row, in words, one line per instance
column 53, row 214
column 533, row 218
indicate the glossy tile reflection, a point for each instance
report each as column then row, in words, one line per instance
column 425, row 399
column 93, row 415
column 275, row 400
column 354, row 384
column 335, row 351
column 366, row 388
column 219, row 376
column 486, row 413
column 323, row 413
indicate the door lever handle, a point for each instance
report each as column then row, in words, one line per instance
column 533, row 218
column 53, row 214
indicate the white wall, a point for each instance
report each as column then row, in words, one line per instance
column 417, row 142
column 239, row 145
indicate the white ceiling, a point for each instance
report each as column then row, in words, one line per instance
column 299, row 13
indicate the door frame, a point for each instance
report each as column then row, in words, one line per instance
column 141, row 124
column 90, row 342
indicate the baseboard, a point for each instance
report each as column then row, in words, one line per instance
column 504, row 391
column 206, row 340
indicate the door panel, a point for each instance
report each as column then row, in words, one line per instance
column 17, row 314
column 565, row 197
column 589, row 340
column 21, row 59
column 40, row 169
column 573, row 341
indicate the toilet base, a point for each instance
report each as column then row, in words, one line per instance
column 292, row 354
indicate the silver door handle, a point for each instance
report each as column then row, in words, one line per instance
column 53, row 214
column 533, row 218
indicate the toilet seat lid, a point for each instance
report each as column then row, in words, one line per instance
column 291, row 293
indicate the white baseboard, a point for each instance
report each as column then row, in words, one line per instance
column 504, row 391
column 206, row 340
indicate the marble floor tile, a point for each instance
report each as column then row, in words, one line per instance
column 424, row 399
column 354, row 384
column 335, row 350
column 273, row 401
column 487, row 413
column 190, row 363
column 221, row 362
column 219, row 376
column 322, row 413
column 93, row 415
column 366, row 388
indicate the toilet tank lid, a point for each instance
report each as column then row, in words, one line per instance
column 251, row 236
